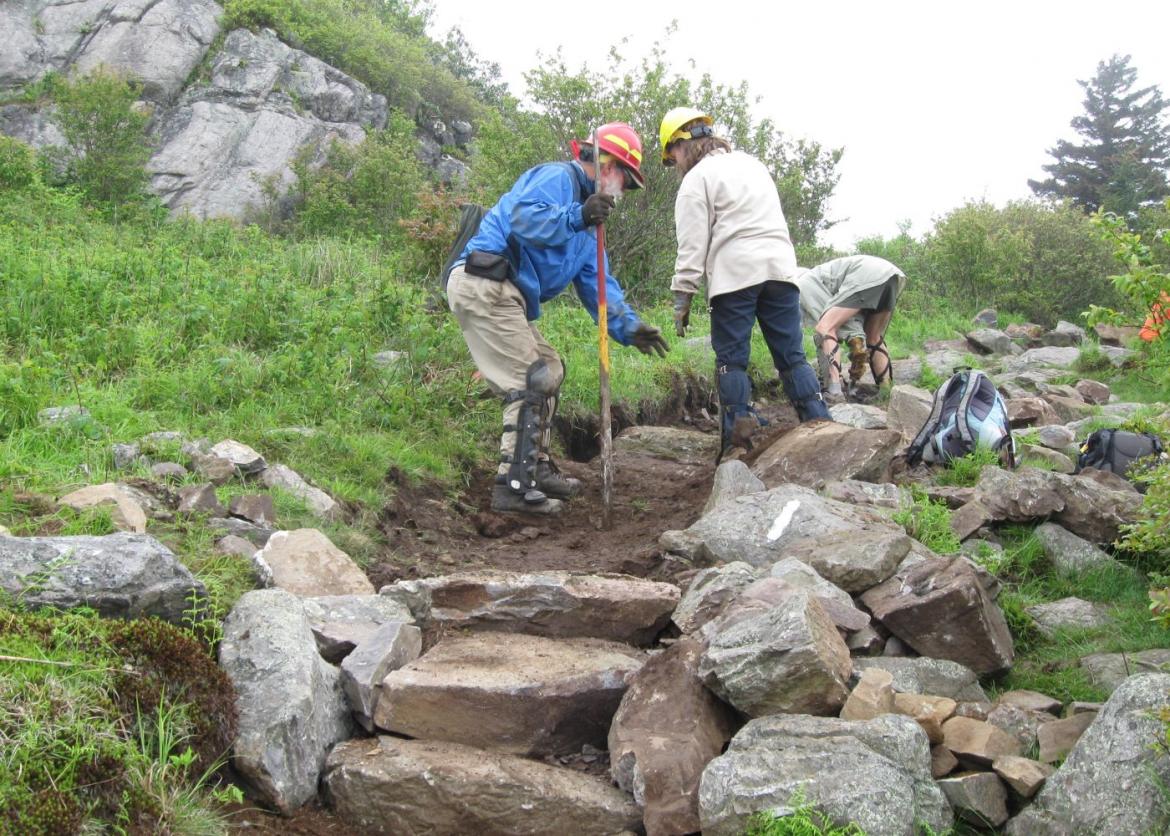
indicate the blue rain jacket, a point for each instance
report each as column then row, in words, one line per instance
column 537, row 226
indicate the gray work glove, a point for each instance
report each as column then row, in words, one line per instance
column 597, row 208
column 682, row 312
column 649, row 340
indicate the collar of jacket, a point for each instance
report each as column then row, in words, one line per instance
column 587, row 186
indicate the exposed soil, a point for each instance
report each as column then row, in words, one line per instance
column 429, row 532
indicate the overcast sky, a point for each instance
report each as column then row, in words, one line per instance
column 934, row 102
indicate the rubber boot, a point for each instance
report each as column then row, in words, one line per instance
column 507, row 501
column 551, row 482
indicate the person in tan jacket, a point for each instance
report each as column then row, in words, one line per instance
column 839, row 292
column 732, row 232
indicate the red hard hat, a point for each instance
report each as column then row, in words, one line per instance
column 622, row 142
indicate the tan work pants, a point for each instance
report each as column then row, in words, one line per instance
column 503, row 343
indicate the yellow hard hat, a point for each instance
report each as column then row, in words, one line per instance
column 673, row 124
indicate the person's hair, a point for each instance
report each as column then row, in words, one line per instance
column 695, row 149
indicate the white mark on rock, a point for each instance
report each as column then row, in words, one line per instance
column 783, row 520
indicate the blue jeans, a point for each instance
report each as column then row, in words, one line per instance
column 776, row 305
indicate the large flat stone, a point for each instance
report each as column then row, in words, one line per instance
column 523, row 695
column 305, row 562
column 825, row 451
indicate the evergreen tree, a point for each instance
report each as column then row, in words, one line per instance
column 1122, row 163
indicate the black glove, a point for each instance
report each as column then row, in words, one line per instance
column 648, row 340
column 682, row 312
column 597, row 208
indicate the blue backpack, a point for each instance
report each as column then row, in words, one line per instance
column 968, row 412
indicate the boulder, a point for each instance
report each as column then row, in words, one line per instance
column 784, row 658
column 1058, row 737
column 554, row 603
column 246, row 460
column 1093, row 391
column 1113, row 780
column 292, row 710
column 928, row 711
column 942, row 762
column 988, row 317
column 709, row 592
column 1020, row 723
column 875, row 774
column 523, row 695
column 216, row 470
column 1031, row 412
column 306, row 563
column 907, row 369
column 940, row 609
column 1068, row 552
column 1036, row 456
column 316, row 500
column 854, row 560
column 977, row 741
column 991, row 341
column 1056, row 437
column 760, row 528
column 1023, row 775
column 944, row 362
column 872, row 697
column 255, row 508
column 391, row 786
column 928, row 676
column 908, row 409
column 977, row 797
column 125, row 513
column 120, row 575
column 732, row 479
column 1030, row 701
column 254, row 534
column 387, row 649
column 1068, row 409
column 342, row 622
column 666, row 730
column 1068, row 614
column 1062, row 358
column 817, row 452
column 1109, row 670
column 200, row 499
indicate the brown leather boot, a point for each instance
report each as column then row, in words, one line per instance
column 507, row 501
column 552, row 482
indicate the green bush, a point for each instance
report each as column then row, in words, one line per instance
column 106, row 135
column 18, row 164
column 928, row 522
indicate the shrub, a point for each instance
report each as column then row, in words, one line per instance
column 928, row 522
column 106, row 136
column 18, row 164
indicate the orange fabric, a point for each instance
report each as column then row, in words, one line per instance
column 1156, row 321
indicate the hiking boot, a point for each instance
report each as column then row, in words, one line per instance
column 507, row 501
column 834, row 394
column 552, row 482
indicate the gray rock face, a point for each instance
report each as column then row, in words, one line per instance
column 883, row 495
column 292, row 710
column 264, row 103
column 825, row 451
column 940, row 677
column 1112, row 780
column 908, row 410
column 1040, row 357
column 874, row 773
column 287, row 479
column 391, row 786
column 556, row 604
column 158, row 42
column 978, row 797
column 758, row 529
column 941, row 610
column 523, row 695
column 305, row 562
column 666, row 730
column 120, row 575
column 859, row 416
column 766, row 659
column 1056, row 436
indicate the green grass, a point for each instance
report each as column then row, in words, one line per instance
column 964, row 471
column 928, row 522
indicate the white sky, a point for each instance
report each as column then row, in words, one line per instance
column 934, row 102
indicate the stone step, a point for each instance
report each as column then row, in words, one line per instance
column 520, row 694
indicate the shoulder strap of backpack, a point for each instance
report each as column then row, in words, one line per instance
column 914, row 451
column 974, row 380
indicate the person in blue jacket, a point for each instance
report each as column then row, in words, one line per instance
column 536, row 241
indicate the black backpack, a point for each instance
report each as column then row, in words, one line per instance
column 968, row 412
column 1117, row 450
